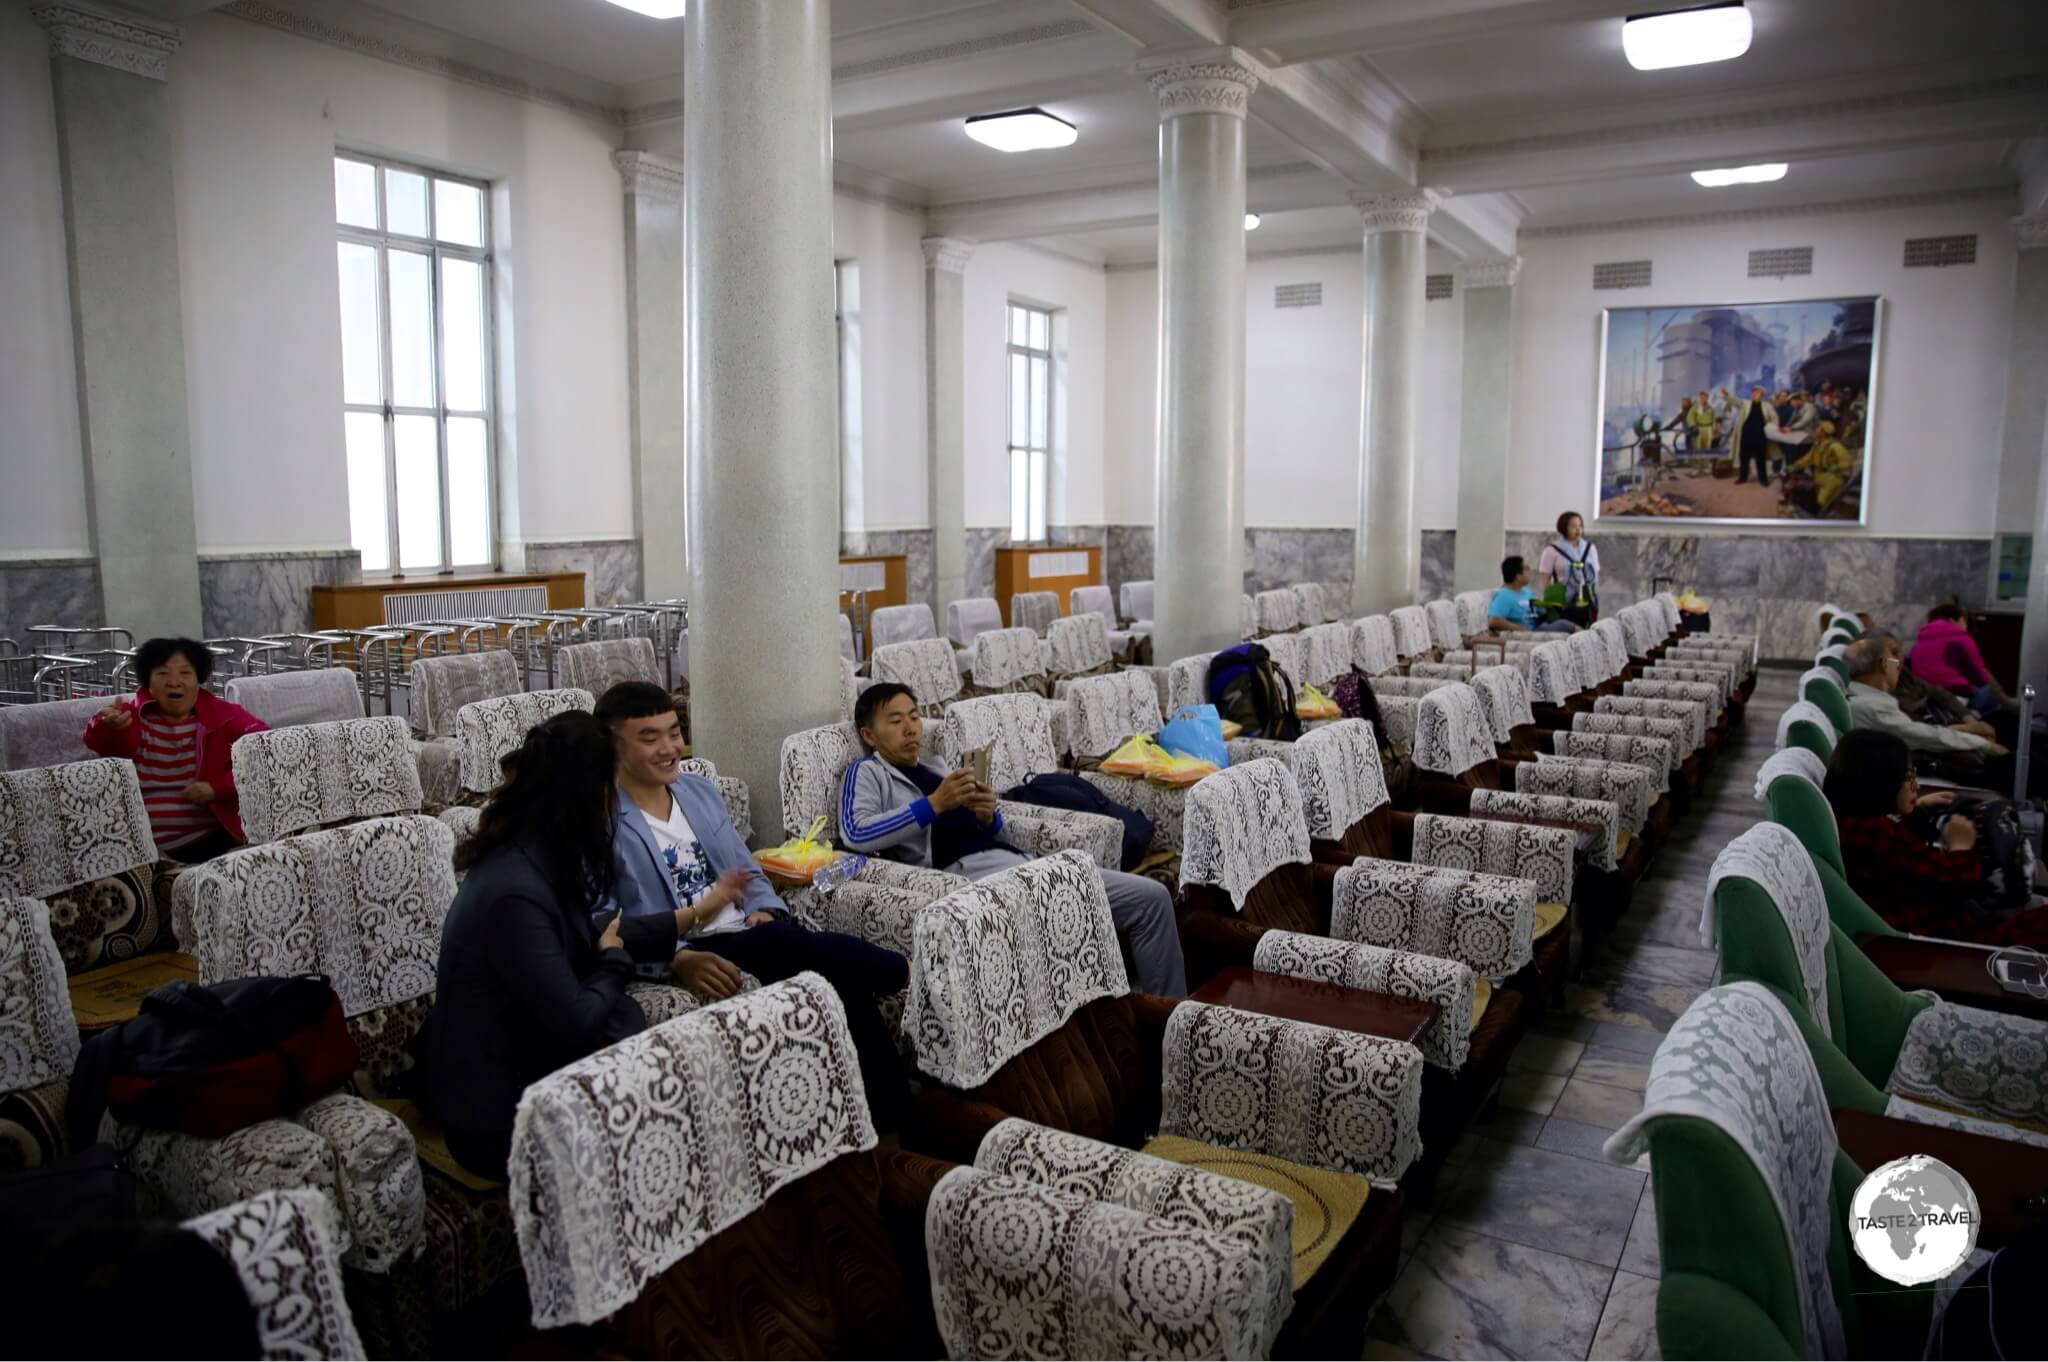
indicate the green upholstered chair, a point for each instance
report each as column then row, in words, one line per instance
column 1792, row 802
column 1807, row 725
column 1833, row 662
column 1832, row 699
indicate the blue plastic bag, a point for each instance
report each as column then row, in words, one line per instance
column 1196, row 731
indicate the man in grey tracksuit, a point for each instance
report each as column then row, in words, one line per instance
column 893, row 805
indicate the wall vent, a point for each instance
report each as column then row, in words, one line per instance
column 1436, row 287
column 1622, row 274
column 1780, row 262
column 1298, row 295
column 1930, row 252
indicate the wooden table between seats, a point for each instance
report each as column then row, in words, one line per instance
column 2005, row 1174
column 1320, row 1004
column 1954, row 970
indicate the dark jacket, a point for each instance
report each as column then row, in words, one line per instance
column 220, row 723
column 522, row 990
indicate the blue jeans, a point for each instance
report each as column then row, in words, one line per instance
column 1984, row 701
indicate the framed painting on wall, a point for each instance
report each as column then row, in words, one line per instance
column 1743, row 414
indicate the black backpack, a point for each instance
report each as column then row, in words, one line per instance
column 1059, row 790
column 2002, row 842
column 1250, row 691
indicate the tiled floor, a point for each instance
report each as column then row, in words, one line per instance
column 1537, row 1245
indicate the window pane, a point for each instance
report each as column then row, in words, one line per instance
column 361, row 378
column 1041, row 402
column 355, row 194
column 419, row 492
column 369, row 530
column 469, row 493
column 458, row 213
column 462, row 333
column 1037, row 481
column 1020, row 400
column 405, row 202
column 1020, row 496
column 1041, row 325
column 1019, row 329
column 412, row 329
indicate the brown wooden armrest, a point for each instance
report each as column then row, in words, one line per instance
column 1953, row 969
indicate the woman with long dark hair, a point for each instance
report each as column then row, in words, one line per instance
column 1928, row 887
column 528, row 980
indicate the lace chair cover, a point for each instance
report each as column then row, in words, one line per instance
column 1004, row 962
column 1323, row 1097
column 1103, row 711
column 286, row 1248
column 1308, row 605
column 1627, row 788
column 1402, row 715
column 1471, row 607
column 625, row 1162
column 1446, row 1042
column 1503, row 699
column 1553, row 675
column 1015, row 728
column 1654, row 755
column 1338, row 772
column 1021, row 1269
column 1136, row 600
column 597, row 667
column 1989, row 1063
column 1444, row 629
column 1736, row 1060
column 1636, row 635
column 1738, row 655
column 292, row 779
column 968, row 620
column 1491, row 804
column 884, row 913
column 442, row 685
column 1411, row 631
column 1791, row 761
column 68, row 825
column 1451, row 735
column 1007, row 659
column 1773, row 859
column 1290, row 656
column 38, row 1035
column 1441, row 671
column 1827, row 674
column 1722, row 679
column 1372, row 645
column 1093, row 600
column 1485, row 922
column 1672, row 732
column 1276, row 612
column 283, row 699
column 1411, row 686
column 845, row 638
column 47, row 734
column 1329, row 653
column 1187, row 681
column 1692, row 692
column 1240, row 825
column 1668, row 604
column 1808, row 712
column 1080, row 645
column 851, row 684
column 1691, row 717
column 739, row 800
column 489, row 729
column 900, row 624
column 927, row 665
column 813, row 762
column 1608, row 631
column 1034, row 610
column 1543, row 856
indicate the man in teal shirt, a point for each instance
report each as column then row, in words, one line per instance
column 1510, row 610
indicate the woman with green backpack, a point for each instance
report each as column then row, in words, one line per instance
column 1569, row 571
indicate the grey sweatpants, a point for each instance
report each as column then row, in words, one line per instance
column 1141, row 909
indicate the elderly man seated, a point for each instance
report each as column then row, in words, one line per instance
column 1930, row 704
column 1873, row 704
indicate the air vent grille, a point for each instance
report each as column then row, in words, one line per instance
column 1622, row 274
column 1436, row 287
column 1932, row 252
column 1780, row 262
column 1298, row 295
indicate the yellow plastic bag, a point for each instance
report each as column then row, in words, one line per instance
column 1691, row 604
column 1178, row 771
column 1232, row 729
column 1310, row 703
column 1139, row 756
column 795, row 861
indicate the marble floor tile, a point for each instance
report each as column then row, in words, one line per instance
column 1628, row 1325
column 1545, row 1200
column 1615, row 1068
column 1642, row 1254
column 1510, row 1125
column 1412, row 1229
column 1540, row 1054
column 1566, row 1027
column 1650, row 963
column 1642, row 1040
column 1531, row 1092
column 1562, row 1136
column 1596, row 1104
column 1470, row 1296
column 1632, row 1002
column 1394, row 1352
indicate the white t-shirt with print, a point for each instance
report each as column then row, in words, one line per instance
column 689, row 869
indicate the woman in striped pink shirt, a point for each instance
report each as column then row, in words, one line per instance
column 179, row 736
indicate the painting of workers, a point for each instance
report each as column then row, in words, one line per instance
column 1749, row 413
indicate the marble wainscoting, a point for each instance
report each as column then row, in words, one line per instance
column 1439, row 549
column 914, row 545
column 1127, row 556
column 248, row 595
column 1279, row 557
column 982, row 543
column 610, row 567
column 48, row 591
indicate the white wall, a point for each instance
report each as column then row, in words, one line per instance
column 42, row 510
column 1935, row 431
column 883, row 239
column 1443, row 397
column 1130, row 418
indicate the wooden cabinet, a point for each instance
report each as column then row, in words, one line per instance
column 1998, row 637
column 360, row 605
column 1057, row 568
column 884, row 576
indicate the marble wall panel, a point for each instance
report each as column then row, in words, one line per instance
column 914, row 545
column 1127, row 556
column 982, row 544
column 48, row 591
column 1858, row 572
column 1439, row 548
column 248, row 595
column 1792, row 567
column 1728, row 563
column 1936, row 569
column 610, row 567
column 1784, row 629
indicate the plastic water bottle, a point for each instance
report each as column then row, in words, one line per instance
column 828, row 878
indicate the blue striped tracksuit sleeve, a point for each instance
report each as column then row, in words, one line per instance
column 869, row 817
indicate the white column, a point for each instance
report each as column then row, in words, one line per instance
column 763, row 462
column 1387, row 547
column 654, row 357
column 1199, row 565
column 121, row 233
column 1486, row 395
column 2026, row 432
column 945, row 417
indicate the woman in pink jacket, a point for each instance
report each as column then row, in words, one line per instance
column 1945, row 655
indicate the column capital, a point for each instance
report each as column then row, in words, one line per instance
column 2031, row 230
column 644, row 173
column 1213, row 80
column 109, row 37
column 1406, row 211
column 947, row 253
column 1492, row 272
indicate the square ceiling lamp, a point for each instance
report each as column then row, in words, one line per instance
column 1686, row 37
column 1757, row 174
column 1021, row 130
column 655, row 9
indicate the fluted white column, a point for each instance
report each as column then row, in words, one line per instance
column 945, row 413
column 762, row 429
column 1387, row 546
column 1199, row 565
column 1486, row 396
column 654, row 357
column 2027, row 430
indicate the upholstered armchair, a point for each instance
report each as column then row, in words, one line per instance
column 1080, row 646
column 1411, row 632
column 1442, row 671
column 1472, row 611
column 1445, row 630
column 926, row 665
column 739, row 801
column 286, row 1248
column 1034, row 610
column 1685, row 773
column 1310, row 604
column 1187, row 681
column 1373, row 649
column 1454, row 745
column 597, row 667
column 319, row 774
column 1096, row 600
column 487, row 730
column 1004, row 660
column 1543, row 857
column 47, row 734
column 900, row 624
column 1328, row 657
column 1691, row 714
column 284, row 699
column 1276, row 612
column 1289, row 652
column 1102, row 712
column 441, row 686
column 1017, row 730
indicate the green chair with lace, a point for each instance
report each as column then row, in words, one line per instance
column 1792, row 802
column 1805, row 724
column 1831, row 699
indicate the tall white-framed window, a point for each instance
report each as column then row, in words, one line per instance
column 414, row 257
column 1030, row 346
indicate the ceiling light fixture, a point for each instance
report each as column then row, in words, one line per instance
column 1686, row 37
column 1251, row 222
column 655, row 9
column 1021, row 130
column 1727, row 175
